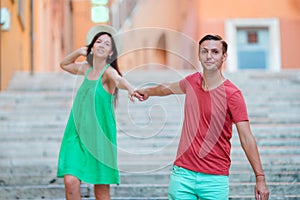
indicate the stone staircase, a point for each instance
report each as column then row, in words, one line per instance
column 34, row 110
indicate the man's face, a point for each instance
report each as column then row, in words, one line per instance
column 211, row 55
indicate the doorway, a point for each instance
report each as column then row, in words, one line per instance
column 250, row 39
column 253, row 48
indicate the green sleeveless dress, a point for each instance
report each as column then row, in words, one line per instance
column 89, row 146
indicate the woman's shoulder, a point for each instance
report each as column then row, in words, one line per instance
column 110, row 70
column 109, row 73
column 83, row 67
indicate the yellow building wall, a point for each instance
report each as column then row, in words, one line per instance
column 174, row 28
column 15, row 42
column 290, row 42
column 212, row 16
column 192, row 19
column 160, row 34
column 198, row 18
column 53, row 34
column 248, row 8
column 82, row 22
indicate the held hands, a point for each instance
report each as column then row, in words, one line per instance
column 141, row 94
column 133, row 93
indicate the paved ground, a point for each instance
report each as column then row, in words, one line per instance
column 34, row 110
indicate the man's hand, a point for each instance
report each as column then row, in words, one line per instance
column 261, row 189
column 141, row 94
column 132, row 93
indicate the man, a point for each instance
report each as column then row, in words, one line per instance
column 212, row 105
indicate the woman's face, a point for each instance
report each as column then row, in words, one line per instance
column 103, row 46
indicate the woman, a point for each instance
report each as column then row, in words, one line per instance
column 88, row 151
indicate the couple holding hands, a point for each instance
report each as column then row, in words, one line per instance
column 213, row 104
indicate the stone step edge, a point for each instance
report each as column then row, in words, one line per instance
column 163, row 173
column 85, row 185
column 239, row 197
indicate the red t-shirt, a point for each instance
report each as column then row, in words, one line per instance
column 207, row 128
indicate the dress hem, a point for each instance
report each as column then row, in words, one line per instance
column 61, row 175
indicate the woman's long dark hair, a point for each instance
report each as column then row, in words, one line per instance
column 112, row 60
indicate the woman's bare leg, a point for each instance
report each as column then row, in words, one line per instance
column 72, row 187
column 102, row 192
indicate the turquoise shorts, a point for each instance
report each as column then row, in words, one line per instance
column 189, row 185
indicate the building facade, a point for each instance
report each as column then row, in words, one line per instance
column 34, row 36
column 14, row 39
column 262, row 35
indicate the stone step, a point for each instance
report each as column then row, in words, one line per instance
column 125, row 143
column 266, row 131
column 137, row 190
column 61, row 113
column 25, row 98
column 52, row 135
column 128, row 157
column 49, row 143
column 8, row 177
column 144, row 167
column 59, row 80
column 30, row 144
column 10, row 172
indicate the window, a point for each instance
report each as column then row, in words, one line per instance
column 99, row 11
column 252, row 37
column 100, row 14
column 99, row 2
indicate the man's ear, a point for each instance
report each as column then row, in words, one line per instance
column 225, row 57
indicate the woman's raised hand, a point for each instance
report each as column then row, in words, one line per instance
column 82, row 51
